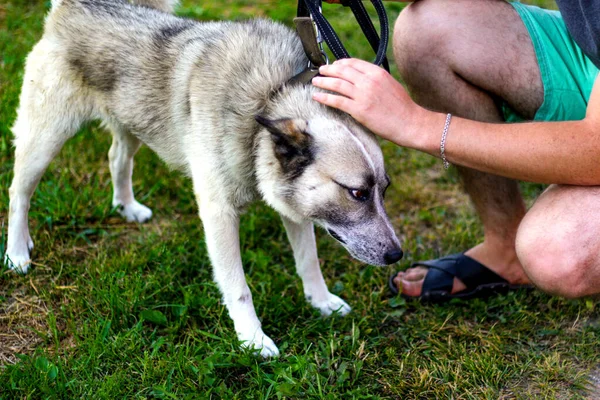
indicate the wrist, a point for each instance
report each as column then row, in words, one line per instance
column 424, row 130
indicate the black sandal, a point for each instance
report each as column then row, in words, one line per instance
column 480, row 281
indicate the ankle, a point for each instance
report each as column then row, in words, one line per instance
column 500, row 258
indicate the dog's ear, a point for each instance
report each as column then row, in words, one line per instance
column 291, row 143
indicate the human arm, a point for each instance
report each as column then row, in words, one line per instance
column 548, row 152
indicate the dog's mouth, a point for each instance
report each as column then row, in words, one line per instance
column 336, row 236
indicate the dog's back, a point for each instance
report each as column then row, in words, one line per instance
column 138, row 62
column 162, row 5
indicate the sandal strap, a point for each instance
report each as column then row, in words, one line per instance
column 442, row 272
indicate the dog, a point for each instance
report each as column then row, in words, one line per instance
column 215, row 101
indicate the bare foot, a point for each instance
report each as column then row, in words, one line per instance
column 503, row 262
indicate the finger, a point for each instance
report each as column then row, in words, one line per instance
column 341, row 71
column 340, row 86
column 340, row 102
column 359, row 65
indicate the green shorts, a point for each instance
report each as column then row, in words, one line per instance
column 567, row 74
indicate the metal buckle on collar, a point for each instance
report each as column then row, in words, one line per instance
column 312, row 41
column 325, row 56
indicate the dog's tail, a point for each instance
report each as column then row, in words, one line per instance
column 163, row 5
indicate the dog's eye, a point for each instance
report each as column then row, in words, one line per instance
column 360, row 194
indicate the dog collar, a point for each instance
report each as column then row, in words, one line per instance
column 305, row 77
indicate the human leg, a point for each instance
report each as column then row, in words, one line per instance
column 470, row 59
column 558, row 241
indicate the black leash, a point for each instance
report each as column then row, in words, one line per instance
column 378, row 45
column 310, row 10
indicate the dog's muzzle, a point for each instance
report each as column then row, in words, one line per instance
column 336, row 236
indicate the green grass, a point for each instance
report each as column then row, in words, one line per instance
column 115, row 310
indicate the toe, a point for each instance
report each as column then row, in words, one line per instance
column 398, row 281
column 415, row 274
column 269, row 349
column 19, row 264
column 409, row 287
column 410, row 282
column 333, row 304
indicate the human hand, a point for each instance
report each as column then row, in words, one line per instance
column 372, row 96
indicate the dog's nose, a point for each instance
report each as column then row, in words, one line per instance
column 393, row 256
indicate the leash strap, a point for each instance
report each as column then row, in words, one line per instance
column 313, row 49
column 312, row 8
column 310, row 42
column 378, row 45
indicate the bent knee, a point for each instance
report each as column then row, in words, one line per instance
column 554, row 264
column 420, row 34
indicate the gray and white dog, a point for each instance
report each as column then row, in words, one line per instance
column 212, row 100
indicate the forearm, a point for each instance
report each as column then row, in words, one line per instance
column 546, row 152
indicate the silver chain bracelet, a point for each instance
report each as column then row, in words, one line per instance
column 443, row 142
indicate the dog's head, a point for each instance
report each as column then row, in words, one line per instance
column 330, row 169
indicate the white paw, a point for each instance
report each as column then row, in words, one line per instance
column 262, row 344
column 18, row 262
column 331, row 304
column 134, row 212
column 18, row 256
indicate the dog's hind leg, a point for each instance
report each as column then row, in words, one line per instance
column 50, row 112
column 302, row 239
column 120, row 156
column 221, row 226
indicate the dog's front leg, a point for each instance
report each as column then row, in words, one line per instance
column 302, row 239
column 221, row 227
